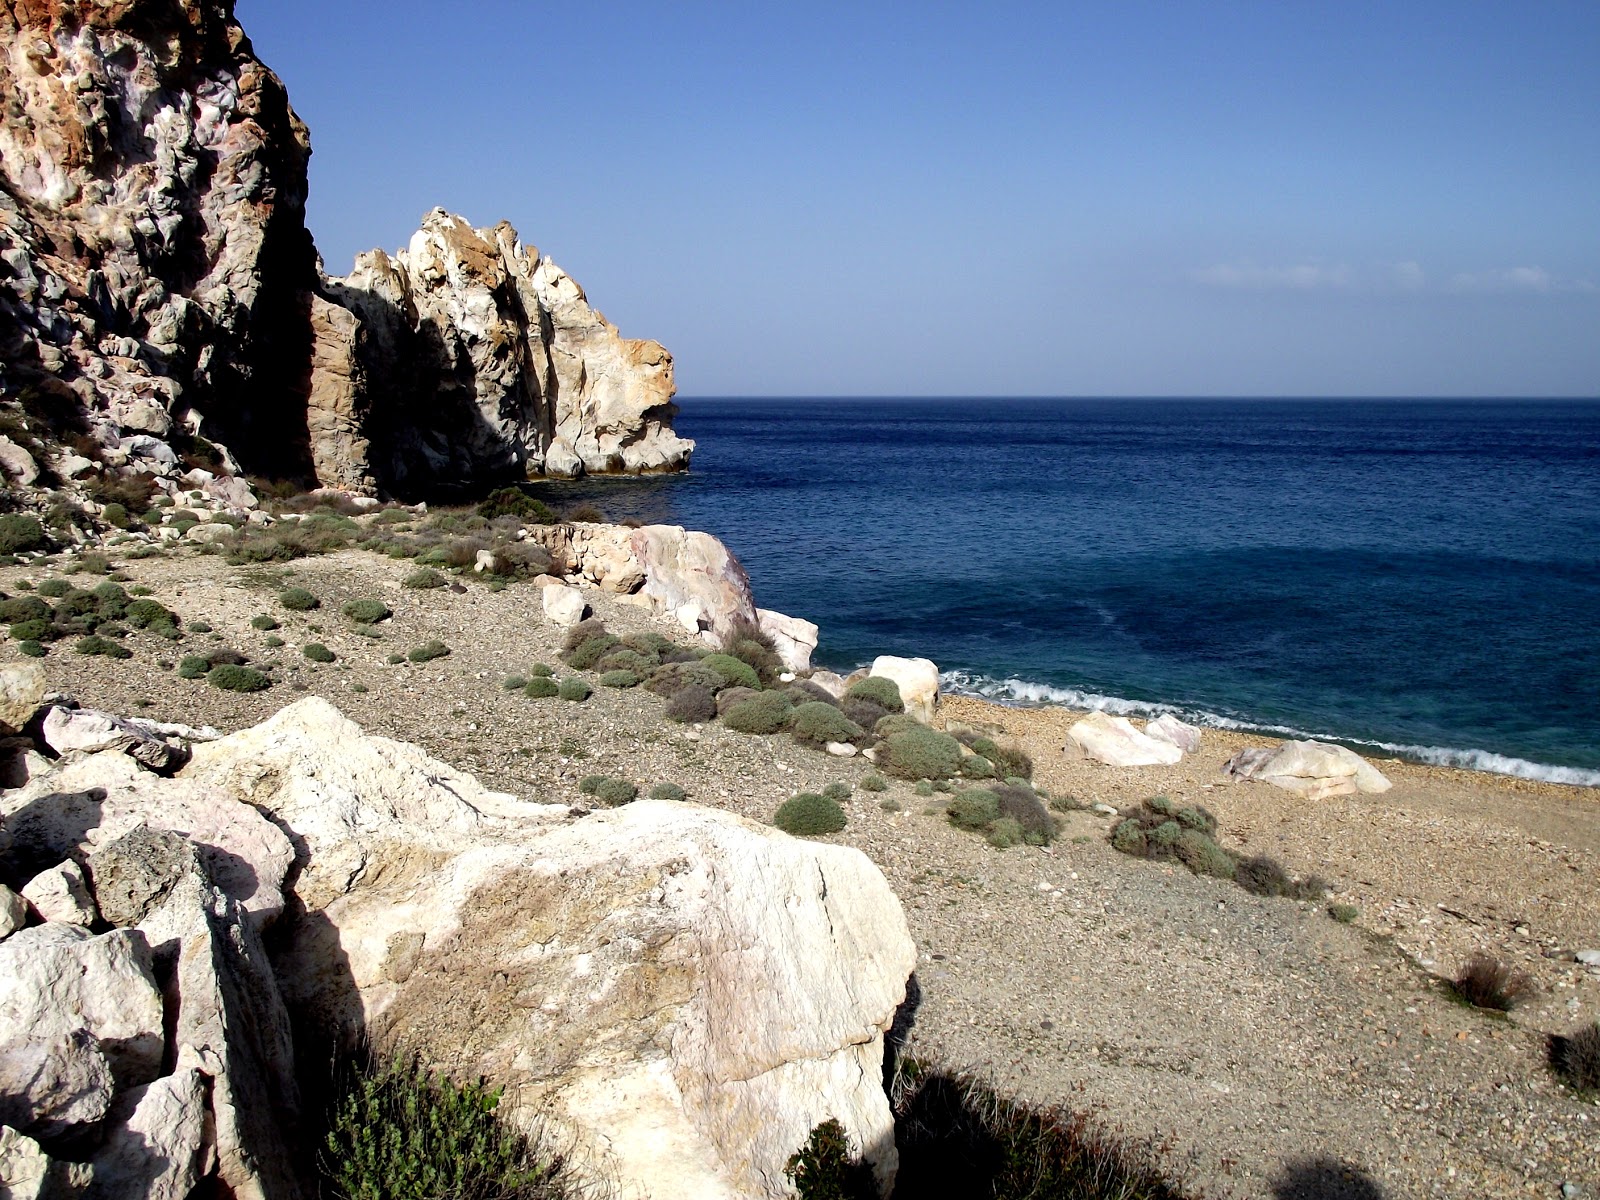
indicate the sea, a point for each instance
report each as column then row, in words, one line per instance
column 1415, row 578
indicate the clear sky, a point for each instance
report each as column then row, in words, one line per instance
column 1061, row 198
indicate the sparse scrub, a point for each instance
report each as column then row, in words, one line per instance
column 973, row 810
column 1066, row 803
column 24, row 608
column 1576, row 1059
column 272, row 641
column 95, row 645
column 874, row 783
column 20, row 532
column 838, row 791
column 885, row 693
column 193, row 666
column 541, row 687
column 539, row 670
column 826, row 1168
column 1004, row 834
column 809, row 815
column 366, row 612
column 317, row 652
column 53, row 587
column 734, row 672
column 1345, row 914
column 609, row 790
column 423, row 580
column 1265, row 876
column 297, row 599
column 1019, row 803
column 512, row 502
column 692, row 705
column 237, row 679
column 976, row 766
column 668, row 791
column 428, row 651
column 921, row 753
column 619, row 679
column 1489, row 982
column 264, row 622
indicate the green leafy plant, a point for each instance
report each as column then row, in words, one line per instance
column 366, row 612
column 297, row 599
column 317, row 652
column 816, row 724
column 874, row 782
column 428, row 651
column 619, row 679
column 734, row 672
column 668, row 791
column 232, row 678
column 20, row 532
column 761, row 712
column 574, row 689
column 826, row 1168
column 193, row 666
column 885, row 693
column 1345, row 914
column 809, row 815
column 921, row 753
column 540, row 669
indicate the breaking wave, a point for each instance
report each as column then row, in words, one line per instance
column 1026, row 693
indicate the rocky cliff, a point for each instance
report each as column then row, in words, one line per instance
column 157, row 282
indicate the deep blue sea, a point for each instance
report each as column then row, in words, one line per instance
column 1421, row 577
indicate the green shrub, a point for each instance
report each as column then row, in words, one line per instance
column 619, row 679
column 825, row 1169
column 691, row 705
column 808, row 815
column 115, row 514
column 272, row 641
column 668, row 791
column 237, row 679
column 541, row 687
column 975, row 810
column 874, row 783
column 1202, row 855
column 671, row 678
column 734, row 672
column 885, row 693
column 754, row 649
column 1345, row 914
column 838, row 791
column 32, row 649
column 890, row 804
column 590, row 652
column 921, row 753
column 297, row 599
column 540, row 669
column 976, row 766
column 428, row 651
column 1021, row 804
column 153, row 616
column 398, row 1132
column 223, row 656
column 317, row 652
column 366, row 612
column 53, row 587
column 424, row 579
column 193, row 666
column 863, row 712
column 1004, row 834
column 816, row 723
column 94, row 644
column 19, row 532
column 609, row 790
column 264, row 622
column 24, row 608
column 574, row 689
column 924, row 788
column 1266, row 876
column 197, row 626
column 395, row 660
column 33, row 631
column 1066, row 803
column 511, row 502
column 514, row 683
column 761, row 713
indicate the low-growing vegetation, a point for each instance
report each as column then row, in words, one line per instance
column 366, row 612
column 317, row 652
column 1489, row 982
column 297, row 599
column 428, row 651
column 809, row 815
column 1168, row 832
column 1575, row 1058
column 232, row 678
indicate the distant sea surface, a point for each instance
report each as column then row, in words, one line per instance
column 1415, row 577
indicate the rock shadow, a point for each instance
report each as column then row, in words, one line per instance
column 1325, row 1179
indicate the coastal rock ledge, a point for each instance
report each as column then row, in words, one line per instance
column 681, row 994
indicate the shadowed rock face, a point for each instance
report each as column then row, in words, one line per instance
column 157, row 279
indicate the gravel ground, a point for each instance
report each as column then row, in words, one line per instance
column 1266, row 1050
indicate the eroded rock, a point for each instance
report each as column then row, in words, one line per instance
column 1312, row 769
column 1115, row 742
column 917, row 679
column 62, row 894
column 54, row 1088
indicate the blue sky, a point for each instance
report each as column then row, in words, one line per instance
column 1027, row 199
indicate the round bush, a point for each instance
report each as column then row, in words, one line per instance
column 94, row 644
column 541, row 687
column 809, row 815
column 974, row 810
column 574, row 689
column 24, row 608
column 619, row 679
column 32, row 649
column 1021, row 804
column 1129, row 838
column 193, row 666
column 366, row 612
column 620, row 658
column 428, row 651
column 976, row 766
column 32, row 631
column 423, row 579
column 691, row 705
column 874, row 783
column 838, row 791
column 298, row 600
column 863, row 712
column 590, row 652
column 237, row 679
column 54, row 588
column 317, row 652
column 763, row 712
column 272, row 641
column 885, row 693
column 921, row 753
column 816, row 723
column 733, row 671
column 729, row 696
column 616, row 792
column 1005, row 833
column 19, row 532
column 540, row 670
column 263, row 622
column 1203, row 856
column 668, row 791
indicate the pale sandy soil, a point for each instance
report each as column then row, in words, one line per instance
column 1271, row 1051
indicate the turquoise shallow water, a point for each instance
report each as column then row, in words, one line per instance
column 1419, row 576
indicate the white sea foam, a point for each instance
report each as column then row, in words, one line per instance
column 1026, row 692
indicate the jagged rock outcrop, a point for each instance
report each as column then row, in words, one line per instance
column 161, row 301
column 486, row 361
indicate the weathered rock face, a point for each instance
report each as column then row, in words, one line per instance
column 151, row 219
column 484, row 361
column 1115, row 742
column 1315, row 770
column 157, row 284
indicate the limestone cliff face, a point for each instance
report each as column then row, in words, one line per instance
column 152, row 196
column 485, row 360
column 157, row 279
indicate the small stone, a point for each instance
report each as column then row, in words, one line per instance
column 13, row 912
column 62, row 894
column 563, row 605
column 841, row 749
column 1104, row 809
column 1589, row 958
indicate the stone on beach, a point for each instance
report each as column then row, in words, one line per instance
column 563, row 605
column 1168, row 728
column 1314, row 770
column 917, row 679
column 793, row 638
column 1115, row 742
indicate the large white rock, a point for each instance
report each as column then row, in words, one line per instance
column 1168, row 728
column 56, row 1088
column 17, row 462
column 58, row 979
column 1312, row 769
column 157, row 1146
column 62, row 894
column 25, row 1169
column 1115, row 742
column 690, row 993
column 87, row 802
column 918, row 680
column 793, row 638
column 21, row 692
column 563, row 605
column 13, row 912
column 89, row 730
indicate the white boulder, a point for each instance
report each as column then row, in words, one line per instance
column 157, row 1144
column 918, row 680
column 54, row 1088
column 1168, row 728
column 563, row 605
column 1115, row 742
column 21, row 692
column 90, row 731
column 793, row 638
column 13, row 912
column 1315, row 770
column 62, row 894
